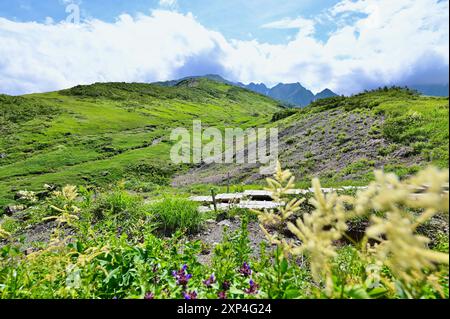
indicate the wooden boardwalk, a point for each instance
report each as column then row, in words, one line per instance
column 262, row 199
column 252, row 199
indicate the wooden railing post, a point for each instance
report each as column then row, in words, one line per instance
column 213, row 194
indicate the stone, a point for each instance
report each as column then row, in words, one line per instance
column 224, row 223
column 12, row 209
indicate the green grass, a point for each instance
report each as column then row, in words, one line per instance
column 420, row 122
column 172, row 214
column 91, row 134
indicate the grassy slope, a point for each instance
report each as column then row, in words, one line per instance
column 400, row 119
column 343, row 139
column 100, row 133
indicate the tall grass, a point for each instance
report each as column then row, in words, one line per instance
column 172, row 214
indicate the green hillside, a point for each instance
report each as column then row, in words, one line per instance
column 342, row 140
column 100, row 133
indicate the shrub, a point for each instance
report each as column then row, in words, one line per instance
column 358, row 166
column 8, row 226
column 172, row 214
column 151, row 173
column 291, row 141
column 419, row 147
column 309, row 154
column 342, row 138
column 375, row 130
column 115, row 203
column 283, row 114
column 395, row 128
column 118, row 211
column 386, row 150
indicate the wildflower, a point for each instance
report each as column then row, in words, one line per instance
column 398, row 247
column 182, row 276
column 253, row 290
column 210, row 281
column 278, row 186
column 395, row 232
column 245, row 270
column 191, row 295
column 149, row 296
column 222, row 295
column 68, row 193
column 319, row 230
column 27, row 196
column 226, row 285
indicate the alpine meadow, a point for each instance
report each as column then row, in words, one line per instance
column 127, row 176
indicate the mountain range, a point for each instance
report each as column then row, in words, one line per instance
column 295, row 95
column 291, row 94
column 431, row 89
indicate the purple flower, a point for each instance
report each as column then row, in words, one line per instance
column 181, row 276
column 210, row 281
column 246, row 270
column 149, row 296
column 253, row 290
column 190, row 295
column 226, row 285
column 222, row 295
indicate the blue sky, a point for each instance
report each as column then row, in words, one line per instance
column 344, row 45
column 235, row 19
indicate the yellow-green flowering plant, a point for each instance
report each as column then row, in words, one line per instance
column 395, row 209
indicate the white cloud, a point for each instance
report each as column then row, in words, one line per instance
column 305, row 26
column 49, row 20
column 390, row 43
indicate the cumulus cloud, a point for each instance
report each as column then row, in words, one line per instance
column 306, row 26
column 376, row 42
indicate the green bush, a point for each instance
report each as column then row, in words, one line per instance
column 359, row 166
column 392, row 128
column 419, row 147
column 309, row 154
column 172, row 214
column 118, row 211
column 283, row 114
column 342, row 138
column 386, row 150
column 10, row 224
